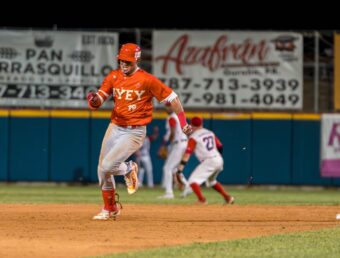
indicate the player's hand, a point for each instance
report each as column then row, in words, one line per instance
column 163, row 152
column 187, row 129
column 180, row 180
column 93, row 100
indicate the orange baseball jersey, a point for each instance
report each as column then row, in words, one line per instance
column 132, row 96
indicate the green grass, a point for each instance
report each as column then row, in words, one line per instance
column 321, row 243
column 54, row 193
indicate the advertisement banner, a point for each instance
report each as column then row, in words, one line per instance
column 336, row 74
column 227, row 69
column 53, row 68
column 330, row 145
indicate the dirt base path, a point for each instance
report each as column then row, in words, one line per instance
column 68, row 231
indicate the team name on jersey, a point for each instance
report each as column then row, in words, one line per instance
column 128, row 94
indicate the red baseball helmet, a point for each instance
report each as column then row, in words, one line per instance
column 129, row 52
column 196, row 121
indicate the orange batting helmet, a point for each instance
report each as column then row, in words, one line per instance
column 129, row 52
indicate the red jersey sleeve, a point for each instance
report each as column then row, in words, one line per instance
column 158, row 89
column 105, row 89
column 218, row 142
column 191, row 146
column 172, row 122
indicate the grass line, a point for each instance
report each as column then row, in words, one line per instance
column 321, row 243
column 17, row 193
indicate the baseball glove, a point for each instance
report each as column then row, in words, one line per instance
column 180, row 180
column 163, row 152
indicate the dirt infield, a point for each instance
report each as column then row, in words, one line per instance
column 68, row 231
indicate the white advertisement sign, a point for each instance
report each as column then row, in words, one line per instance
column 53, row 68
column 223, row 69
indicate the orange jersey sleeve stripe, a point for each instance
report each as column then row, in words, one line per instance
column 103, row 95
column 172, row 122
column 191, row 146
column 218, row 142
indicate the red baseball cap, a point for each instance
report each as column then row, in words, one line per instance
column 129, row 52
column 196, row 121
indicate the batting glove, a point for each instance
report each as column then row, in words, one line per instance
column 93, row 100
column 187, row 129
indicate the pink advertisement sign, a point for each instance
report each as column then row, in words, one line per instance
column 330, row 145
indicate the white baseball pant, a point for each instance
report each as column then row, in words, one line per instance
column 118, row 145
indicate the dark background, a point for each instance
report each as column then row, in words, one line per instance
column 201, row 14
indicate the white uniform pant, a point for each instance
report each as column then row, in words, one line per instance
column 171, row 163
column 146, row 167
column 118, row 145
column 207, row 171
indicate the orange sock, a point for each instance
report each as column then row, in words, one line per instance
column 109, row 199
column 197, row 190
column 219, row 188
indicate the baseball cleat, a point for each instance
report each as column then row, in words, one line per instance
column 187, row 190
column 231, row 200
column 205, row 202
column 106, row 215
column 131, row 178
column 166, row 196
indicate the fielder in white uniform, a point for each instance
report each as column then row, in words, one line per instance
column 208, row 149
column 144, row 161
column 177, row 144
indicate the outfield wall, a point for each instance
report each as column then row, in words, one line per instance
column 63, row 146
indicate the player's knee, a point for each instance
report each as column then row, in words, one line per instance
column 190, row 181
column 108, row 166
column 211, row 183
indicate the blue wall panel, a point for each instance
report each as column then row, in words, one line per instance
column 66, row 149
column 306, row 154
column 157, row 163
column 335, row 181
column 29, row 149
column 70, row 153
column 97, row 130
column 3, row 148
column 235, row 137
column 271, row 152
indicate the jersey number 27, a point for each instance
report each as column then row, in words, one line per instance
column 209, row 142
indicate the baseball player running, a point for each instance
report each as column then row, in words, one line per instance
column 208, row 149
column 177, row 144
column 132, row 89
